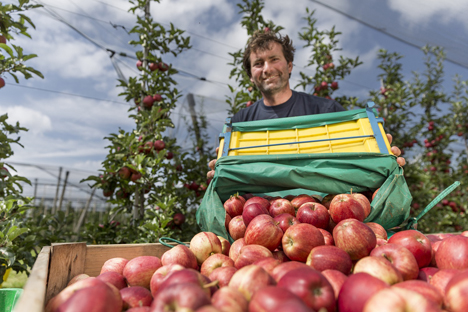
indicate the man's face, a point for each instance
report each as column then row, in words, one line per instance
column 270, row 70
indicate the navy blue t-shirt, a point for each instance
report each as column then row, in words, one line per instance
column 299, row 104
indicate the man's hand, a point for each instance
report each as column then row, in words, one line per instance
column 211, row 164
column 396, row 151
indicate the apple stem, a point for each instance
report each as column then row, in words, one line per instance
column 215, row 283
column 351, row 191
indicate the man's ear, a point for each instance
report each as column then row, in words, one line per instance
column 290, row 67
column 251, row 80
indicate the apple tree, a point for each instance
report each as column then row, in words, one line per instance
column 153, row 184
column 12, row 57
column 423, row 120
column 324, row 45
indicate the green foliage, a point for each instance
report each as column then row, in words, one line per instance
column 416, row 114
column 327, row 74
column 164, row 180
column 16, row 240
column 13, row 61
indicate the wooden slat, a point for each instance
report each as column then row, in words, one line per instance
column 98, row 254
column 66, row 261
column 34, row 292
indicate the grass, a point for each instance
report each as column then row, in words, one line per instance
column 15, row 280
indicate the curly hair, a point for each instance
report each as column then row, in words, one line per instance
column 261, row 40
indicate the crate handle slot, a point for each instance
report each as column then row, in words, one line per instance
column 163, row 240
column 299, row 142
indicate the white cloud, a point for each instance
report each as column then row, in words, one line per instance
column 429, row 11
column 37, row 122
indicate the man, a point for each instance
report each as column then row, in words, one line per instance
column 268, row 60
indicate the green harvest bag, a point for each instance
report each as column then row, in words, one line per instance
column 328, row 173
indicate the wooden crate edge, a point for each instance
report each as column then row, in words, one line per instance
column 34, row 291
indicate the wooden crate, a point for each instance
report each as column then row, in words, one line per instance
column 59, row 263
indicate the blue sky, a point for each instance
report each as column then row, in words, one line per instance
column 68, row 131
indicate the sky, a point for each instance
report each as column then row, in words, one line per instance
column 76, row 105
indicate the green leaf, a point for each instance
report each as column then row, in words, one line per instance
column 14, row 232
column 7, row 49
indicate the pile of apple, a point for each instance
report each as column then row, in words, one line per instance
column 291, row 254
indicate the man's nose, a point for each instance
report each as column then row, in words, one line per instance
column 266, row 67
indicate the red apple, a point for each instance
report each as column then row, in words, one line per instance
column 456, row 293
column 268, row 264
column 453, row 253
column 159, row 145
column 184, row 276
column 205, row 244
column 464, row 233
column 299, row 240
column 399, row 300
column 380, row 268
column 280, row 256
column 356, row 291
column 269, row 298
column 125, row 173
column 236, row 248
column 116, row 264
column 139, row 309
column 375, row 193
column 327, row 257
column 417, row 243
column 237, row 227
column 223, row 275
column 113, row 278
column 327, row 200
column 67, row 292
column 315, row 214
column 354, row 237
column 400, row 257
column 425, row 274
column 265, row 203
column 184, row 296
column 378, row 230
column 299, row 200
column 336, row 279
column 365, row 203
column 180, row 254
column 153, row 66
column 285, row 220
column 433, row 238
column 229, row 299
column 225, row 244
column 148, row 101
column 426, row 290
column 441, row 278
column 136, row 296
column 139, row 270
column 381, row 242
column 160, row 275
column 294, row 305
column 251, row 253
column 249, row 279
column 234, row 205
column 101, row 297
column 311, row 286
column 280, row 270
column 252, row 210
column 77, row 278
column 280, row 206
column 344, row 206
column 264, row 230
column 215, row 261
column 227, row 219
column 327, row 237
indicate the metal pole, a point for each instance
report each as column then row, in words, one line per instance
column 63, row 190
column 57, row 191
column 193, row 114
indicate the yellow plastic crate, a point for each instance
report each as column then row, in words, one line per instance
column 345, row 137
